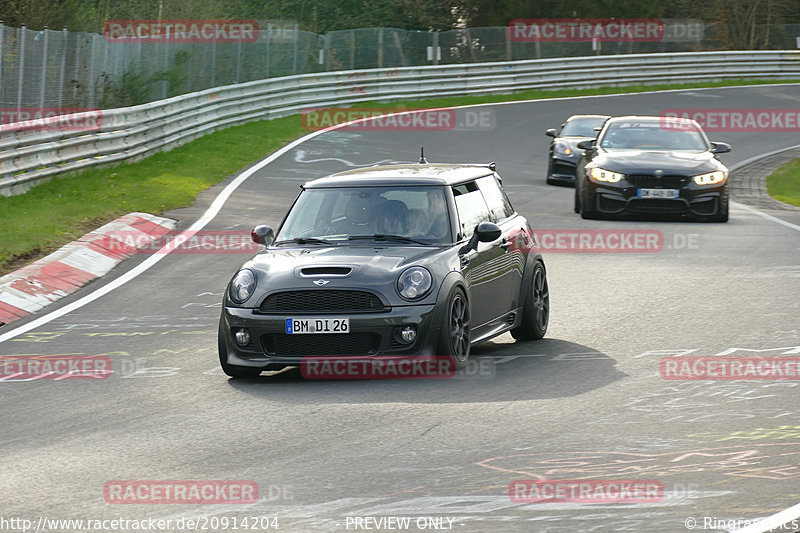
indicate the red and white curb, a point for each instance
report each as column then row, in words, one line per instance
column 73, row 265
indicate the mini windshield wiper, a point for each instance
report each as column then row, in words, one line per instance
column 383, row 237
column 305, row 240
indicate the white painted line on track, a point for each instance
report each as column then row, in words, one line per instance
column 768, row 217
column 219, row 201
column 145, row 265
column 772, row 523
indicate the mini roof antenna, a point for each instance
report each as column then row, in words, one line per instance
column 422, row 160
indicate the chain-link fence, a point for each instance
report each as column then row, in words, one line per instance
column 60, row 69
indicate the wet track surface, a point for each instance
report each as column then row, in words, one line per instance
column 587, row 402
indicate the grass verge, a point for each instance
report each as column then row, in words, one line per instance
column 784, row 183
column 51, row 214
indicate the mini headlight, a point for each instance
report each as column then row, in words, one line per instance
column 601, row 174
column 562, row 148
column 414, row 283
column 242, row 286
column 718, row 176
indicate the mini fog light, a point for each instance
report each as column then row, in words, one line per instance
column 408, row 334
column 242, row 337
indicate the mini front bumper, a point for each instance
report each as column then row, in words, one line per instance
column 370, row 334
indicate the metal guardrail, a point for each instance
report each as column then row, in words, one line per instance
column 28, row 156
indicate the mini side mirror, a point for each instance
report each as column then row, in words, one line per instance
column 587, row 145
column 720, row 148
column 263, row 234
column 484, row 232
column 551, row 132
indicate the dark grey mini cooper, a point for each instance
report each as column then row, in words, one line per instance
column 415, row 259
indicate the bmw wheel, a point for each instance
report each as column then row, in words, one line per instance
column 455, row 337
column 587, row 203
column 536, row 310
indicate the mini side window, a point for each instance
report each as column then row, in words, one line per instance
column 496, row 199
column 471, row 206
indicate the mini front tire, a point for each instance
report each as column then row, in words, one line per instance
column 454, row 340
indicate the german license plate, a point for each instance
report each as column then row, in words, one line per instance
column 657, row 193
column 296, row 326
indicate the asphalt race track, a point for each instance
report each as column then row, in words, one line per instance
column 587, row 402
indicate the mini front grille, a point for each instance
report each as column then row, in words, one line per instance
column 322, row 301
column 650, row 181
column 322, row 344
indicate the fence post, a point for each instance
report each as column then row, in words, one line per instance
column 509, row 56
column 44, row 72
column 213, row 63
column 92, row 63
column 380, row 47
column 435, row 48
column 296, row 44
column 238, row 62
column 352, row 49
column 266, row 60
column 2, row 100
column 21, row 78
column 63, row 67
column 166, row 67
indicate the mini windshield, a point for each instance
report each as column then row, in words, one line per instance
column 582, row 127
column 653, row 136
column 358, row 214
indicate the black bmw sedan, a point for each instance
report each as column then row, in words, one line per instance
column 394, row 260
column 652, row 165
column 564, row 151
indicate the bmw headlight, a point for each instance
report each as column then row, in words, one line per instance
column 601, row 174
column 718, row 176
column 562, row 148
column 242, row 286
column 414, row 283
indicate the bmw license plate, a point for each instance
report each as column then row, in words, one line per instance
column 296, row 326
column 657, row 193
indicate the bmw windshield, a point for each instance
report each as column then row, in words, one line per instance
column 353, row 214
column 653, row 135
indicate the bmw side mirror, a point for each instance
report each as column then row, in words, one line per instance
column 720, row 148
column 587, row 145
column 551, row 132
column 263, row 234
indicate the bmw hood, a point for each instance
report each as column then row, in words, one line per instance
column 646, row 162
